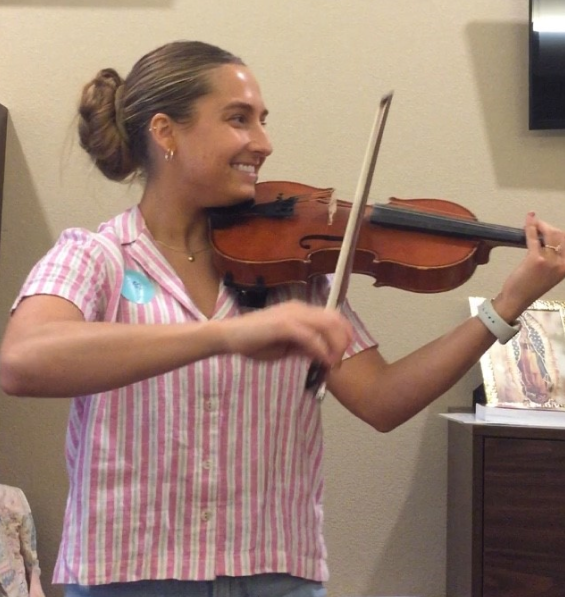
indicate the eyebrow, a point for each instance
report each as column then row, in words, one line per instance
column 244, row 106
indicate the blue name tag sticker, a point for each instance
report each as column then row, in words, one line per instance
column 137, row 287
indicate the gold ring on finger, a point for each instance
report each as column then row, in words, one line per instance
column 556, row 248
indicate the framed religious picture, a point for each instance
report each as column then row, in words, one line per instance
column 528, row 372
column 3, row 131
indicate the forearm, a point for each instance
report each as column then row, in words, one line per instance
column 65, row 359
column 386, row 395
column 49, row 350
column 426, row 374
column 429, row 372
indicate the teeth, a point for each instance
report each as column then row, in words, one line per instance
column 244, row 168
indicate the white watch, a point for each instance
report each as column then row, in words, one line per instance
column 495, row 324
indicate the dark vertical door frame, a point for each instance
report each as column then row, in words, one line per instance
column 3, row 130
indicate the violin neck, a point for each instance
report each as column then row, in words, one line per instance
column 417, row 221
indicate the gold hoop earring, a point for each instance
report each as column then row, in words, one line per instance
column 169, row 155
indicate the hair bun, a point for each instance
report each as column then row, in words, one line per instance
column 101, row 129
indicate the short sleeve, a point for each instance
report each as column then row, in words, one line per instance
column 318, row 292
column 74, row 269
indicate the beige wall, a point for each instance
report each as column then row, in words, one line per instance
column 457, row 129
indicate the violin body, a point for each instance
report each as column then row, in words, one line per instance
column 419, row 245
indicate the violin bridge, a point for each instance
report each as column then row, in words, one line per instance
column 332, row 208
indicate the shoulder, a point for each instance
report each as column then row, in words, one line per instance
column 76, row 252
column 121, row 229
column 76, row 239
column 107, row 241
column 83, row 266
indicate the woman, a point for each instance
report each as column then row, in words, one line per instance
column 193, row 450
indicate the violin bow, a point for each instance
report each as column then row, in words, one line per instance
column 316, row 375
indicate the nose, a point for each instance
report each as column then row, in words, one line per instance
column 260, row 142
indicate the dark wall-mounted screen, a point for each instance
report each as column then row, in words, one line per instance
column 547, row 64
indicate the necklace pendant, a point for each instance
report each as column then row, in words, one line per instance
column 190, row 258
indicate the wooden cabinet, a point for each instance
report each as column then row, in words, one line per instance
column 506, row 511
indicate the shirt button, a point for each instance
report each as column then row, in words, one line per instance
column 209, row 405
column 206, row 515
column 207, row 464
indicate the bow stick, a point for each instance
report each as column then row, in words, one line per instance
column 316, row 375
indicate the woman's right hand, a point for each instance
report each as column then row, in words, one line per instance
column 291, row 328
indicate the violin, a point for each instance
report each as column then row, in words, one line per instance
column 291, row 232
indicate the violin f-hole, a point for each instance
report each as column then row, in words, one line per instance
column 327, row 237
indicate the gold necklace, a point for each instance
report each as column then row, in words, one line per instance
column 190, row 255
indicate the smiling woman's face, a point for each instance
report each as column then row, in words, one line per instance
column 219, row 153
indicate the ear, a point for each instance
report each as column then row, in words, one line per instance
column 161, row 130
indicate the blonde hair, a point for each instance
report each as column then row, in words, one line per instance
column 114, row 114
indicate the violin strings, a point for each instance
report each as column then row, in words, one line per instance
column 434, row 212
column 313, row 196
column 445, row 216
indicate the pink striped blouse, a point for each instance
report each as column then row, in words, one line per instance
column 212, row 469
